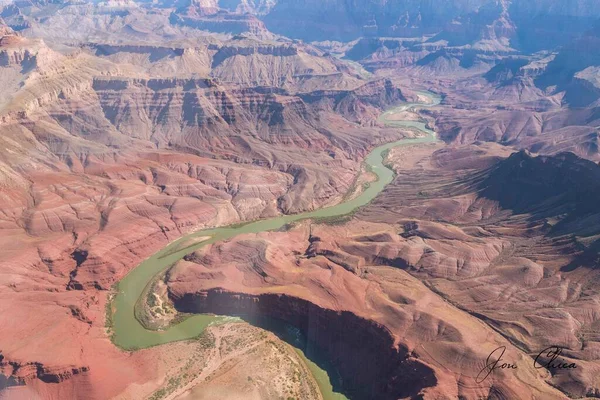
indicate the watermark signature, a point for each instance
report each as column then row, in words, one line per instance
column 547, row 358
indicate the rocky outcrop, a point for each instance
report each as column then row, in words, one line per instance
column 225, row 52
column 200, row 114
column 362, row 103
column 17, row 51
column 21, row 373
column 190, row 113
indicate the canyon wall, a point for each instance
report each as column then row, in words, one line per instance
column 363, row 352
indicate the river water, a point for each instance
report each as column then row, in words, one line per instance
column 130, row 334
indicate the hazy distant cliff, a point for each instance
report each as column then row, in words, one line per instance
column 539, row 22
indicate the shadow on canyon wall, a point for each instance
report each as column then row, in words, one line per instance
column 358, row 354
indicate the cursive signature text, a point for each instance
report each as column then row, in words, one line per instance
column 547, row 358
column 552, row 353
column 492, row 363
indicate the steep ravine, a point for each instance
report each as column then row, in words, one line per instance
column 361, row 351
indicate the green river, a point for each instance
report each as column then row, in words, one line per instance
column 130, row 334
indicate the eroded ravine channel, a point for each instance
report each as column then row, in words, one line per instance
column 130, row 334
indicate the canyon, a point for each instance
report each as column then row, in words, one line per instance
column 127, row 125
column 416, row 245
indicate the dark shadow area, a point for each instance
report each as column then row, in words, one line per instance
column 8, row 381
column 564, row 186
column 589, row 258
column 562, row 190
column 359, row 354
